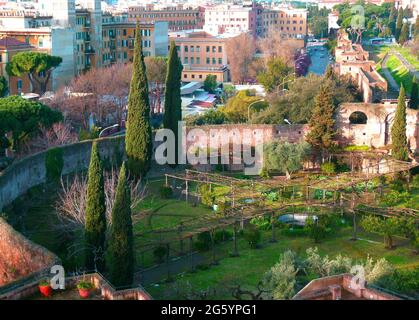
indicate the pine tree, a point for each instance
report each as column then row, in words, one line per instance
column 138, row 140
column 120, row 248
column 173, row 101
column 95, row 227
column 414, row 94
column 322, row 132
column 399, row 24
column 404, row 34
column 400, row 149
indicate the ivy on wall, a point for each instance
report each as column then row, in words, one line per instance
column 54, row 163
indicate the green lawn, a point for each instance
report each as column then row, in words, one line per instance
column 400, row 73
column 248, row 268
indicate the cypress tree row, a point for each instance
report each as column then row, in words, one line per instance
column 173, row 101
column 399, row 24
column 95, row 227
column 120, row 249
column 322, row 132
column 138, row 140
column 404, row 34
column 400, row 149
column 414, row 95
column 392, row 19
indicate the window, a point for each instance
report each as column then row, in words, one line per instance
column 186, row 49
column 192, row 60
column 208, row 60
column 198, row 49
column 208, row 49
column 214, row 49
column 220, row 49
column 19, row 86
column 214, row 61
column 198, row 60
column 220, row 61
column 185, row 60
column 192, row 48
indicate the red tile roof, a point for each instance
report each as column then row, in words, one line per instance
column 9, row 43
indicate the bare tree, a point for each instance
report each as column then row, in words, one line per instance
column 156, row 75
column 273, row 45
column 71, row 204
column 102, row 92
column 240, row 51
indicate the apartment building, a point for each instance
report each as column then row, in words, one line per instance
column 8, row 48
column 227, row 18
column 119, row 36
column 83, row 35
column 179, row 17
column 202, row 54
column 292, row 23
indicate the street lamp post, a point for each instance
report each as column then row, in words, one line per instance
column 250, row 105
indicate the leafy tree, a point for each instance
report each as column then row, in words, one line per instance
column 209, row 117
column 138, row 144
column 275, row 74
column 404, row 34
column 3, row 87
column 121, row 240
column 416, row 28
column 388, row 227
column 414, row 94
column 318, row 21
column 95, row 227
column 322, row 132
column 25, row 118
column 210, row 83
column 298, row 102
column 173, row 101
column 400, row 149
column 237, row 107
column 280, row 281
column 399, row 24
column 285, row 157
column 32, row 64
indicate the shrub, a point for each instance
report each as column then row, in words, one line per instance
column 89, row 135
column 159, row 253
column 204, row 241
column 262, row 223
column 264, row 173
column 207, row 197
column 329, row 167
column 86, row 285
column 395, row 197
column 54, row 163
column 166, row 192
column 253, row 236
column 222, row 235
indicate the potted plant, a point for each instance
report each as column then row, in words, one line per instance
column 85, row 288
column 45, row 288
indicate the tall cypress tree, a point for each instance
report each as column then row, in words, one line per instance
column 414, row 94
column 120, row 248
column 392, row 19
column 400, row 149
column 173, row 101
column 399, row 24
column 416, row 28
column 138, row 140
column 404, row 34
column 95, row 227
column 322, row 132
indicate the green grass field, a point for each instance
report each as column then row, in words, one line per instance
column 400, row 73
column 249, row 267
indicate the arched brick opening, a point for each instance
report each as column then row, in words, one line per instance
column 358, row 117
